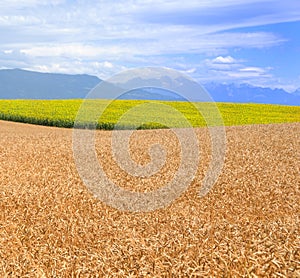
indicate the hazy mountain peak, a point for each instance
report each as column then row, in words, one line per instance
column 23, row 84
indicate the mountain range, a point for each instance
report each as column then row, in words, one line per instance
column 23, row 84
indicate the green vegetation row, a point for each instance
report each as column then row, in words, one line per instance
column 142, row 114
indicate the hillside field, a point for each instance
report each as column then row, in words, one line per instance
column 62, row 113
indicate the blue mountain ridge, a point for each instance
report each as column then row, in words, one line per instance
column 23, row 84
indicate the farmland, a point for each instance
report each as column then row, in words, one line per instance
column 62, row 113
column 246, row 226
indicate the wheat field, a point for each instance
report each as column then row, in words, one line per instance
column 246, row 226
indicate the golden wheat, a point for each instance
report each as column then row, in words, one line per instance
column 247, row 225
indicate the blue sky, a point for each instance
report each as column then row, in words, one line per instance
column 257, row 42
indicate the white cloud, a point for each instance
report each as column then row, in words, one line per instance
column 102, row 69
column 230, row 69
column 101, row 37
column 8, row 51
column 15, row 20
column 189, row 71
column 245, row 76
column 224, row 60
column 221, row 63
column 160, row 46
column 253, row 70
column 4, row 4
column 222, row 14
column 107, row 64
column 76, row 51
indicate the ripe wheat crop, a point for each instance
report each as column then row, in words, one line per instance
column 246, row 226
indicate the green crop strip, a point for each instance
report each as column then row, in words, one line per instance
column 62, row 113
